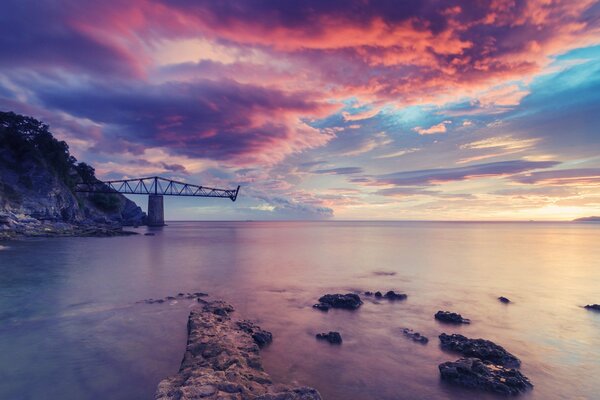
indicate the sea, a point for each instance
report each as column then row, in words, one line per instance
column 74, row 324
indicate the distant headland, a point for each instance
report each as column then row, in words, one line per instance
column 37, row 181
column 587, row 219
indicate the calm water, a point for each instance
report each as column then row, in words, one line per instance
column 70, row 327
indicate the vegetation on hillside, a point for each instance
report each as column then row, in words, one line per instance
column 28, row 140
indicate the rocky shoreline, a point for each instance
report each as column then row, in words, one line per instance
column 222, row 361
column 15, row 226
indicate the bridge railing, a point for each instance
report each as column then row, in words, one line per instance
column 155, row 186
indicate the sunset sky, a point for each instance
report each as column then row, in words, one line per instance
column 436, row 110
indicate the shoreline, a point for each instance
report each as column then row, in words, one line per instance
column 222, row 361
column 21, row 226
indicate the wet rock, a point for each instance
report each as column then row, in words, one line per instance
column 593, row 307
column 485, row 350
column 368, row 293
column 196, row 295
column 416, row 336
column 222, row 361
column 322, row 307
column 149, row 234
column 391, row 295
column 348, row 301
column 378, row 294
column 218, row 307
column 331, row 337
column 503, row 299
column 450, row 317
column 477, row 374
column 260, row 336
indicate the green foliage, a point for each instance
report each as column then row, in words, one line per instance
column 105, row 202
column 30, row 140
column 86, row 172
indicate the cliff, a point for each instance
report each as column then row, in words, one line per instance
column 37, row 180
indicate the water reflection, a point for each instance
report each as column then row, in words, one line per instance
column 71, row 327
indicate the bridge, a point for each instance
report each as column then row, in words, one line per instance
column 155, row 187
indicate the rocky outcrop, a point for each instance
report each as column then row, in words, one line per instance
column 349, row 301
column 37, row 180
column 180, row 296
column 415, row 336
column 451, row 318
column 260, row 336
column 593, row 307
column 485, row 350
column 390, row 295
column 222, row 361
column 483, row 375
column 331, row 337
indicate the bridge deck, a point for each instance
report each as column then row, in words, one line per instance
column 155, row 185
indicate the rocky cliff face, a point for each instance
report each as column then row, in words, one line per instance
column 37, row 180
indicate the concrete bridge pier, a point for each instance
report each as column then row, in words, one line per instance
column 156, row 210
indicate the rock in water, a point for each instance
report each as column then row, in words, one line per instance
column 331, row 337
column 260, row 336
column 504, row 300
column 479, row 348
column 322, row 307
column 593, row 307
column 222, row 361
column 391, row 295
column 476, row 374
column 450, row 317
column 416, row 336
column 348, row 301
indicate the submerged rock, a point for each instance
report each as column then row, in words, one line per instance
column 593, row 307
column 322, row 307
column 450, row 317
column 477, row 374
column 348, row 301
column 260, row 336
column 504, row 300
column 222, row 361
column 479, row 348
column 416, row 336
column 331, row 337
column 391, row 295
column 149, row 234
column 196, row 295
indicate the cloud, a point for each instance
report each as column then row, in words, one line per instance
column 441, row 175
column 401, row 192
column 221, row 120
column 340, row 171
column 274, row 207
column 575, row 176
column 439, row 128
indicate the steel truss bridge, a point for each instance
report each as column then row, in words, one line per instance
column 155, row 187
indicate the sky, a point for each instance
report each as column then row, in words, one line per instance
column 347, row 110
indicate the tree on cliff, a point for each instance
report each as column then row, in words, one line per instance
column 29, row 139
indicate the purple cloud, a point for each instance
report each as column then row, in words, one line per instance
column 221, row 120
column 340, row 171
column 439, row 175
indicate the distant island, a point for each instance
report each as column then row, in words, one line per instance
column 37, row 180
column 587, row 219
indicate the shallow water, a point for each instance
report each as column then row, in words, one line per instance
column 70, row 327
